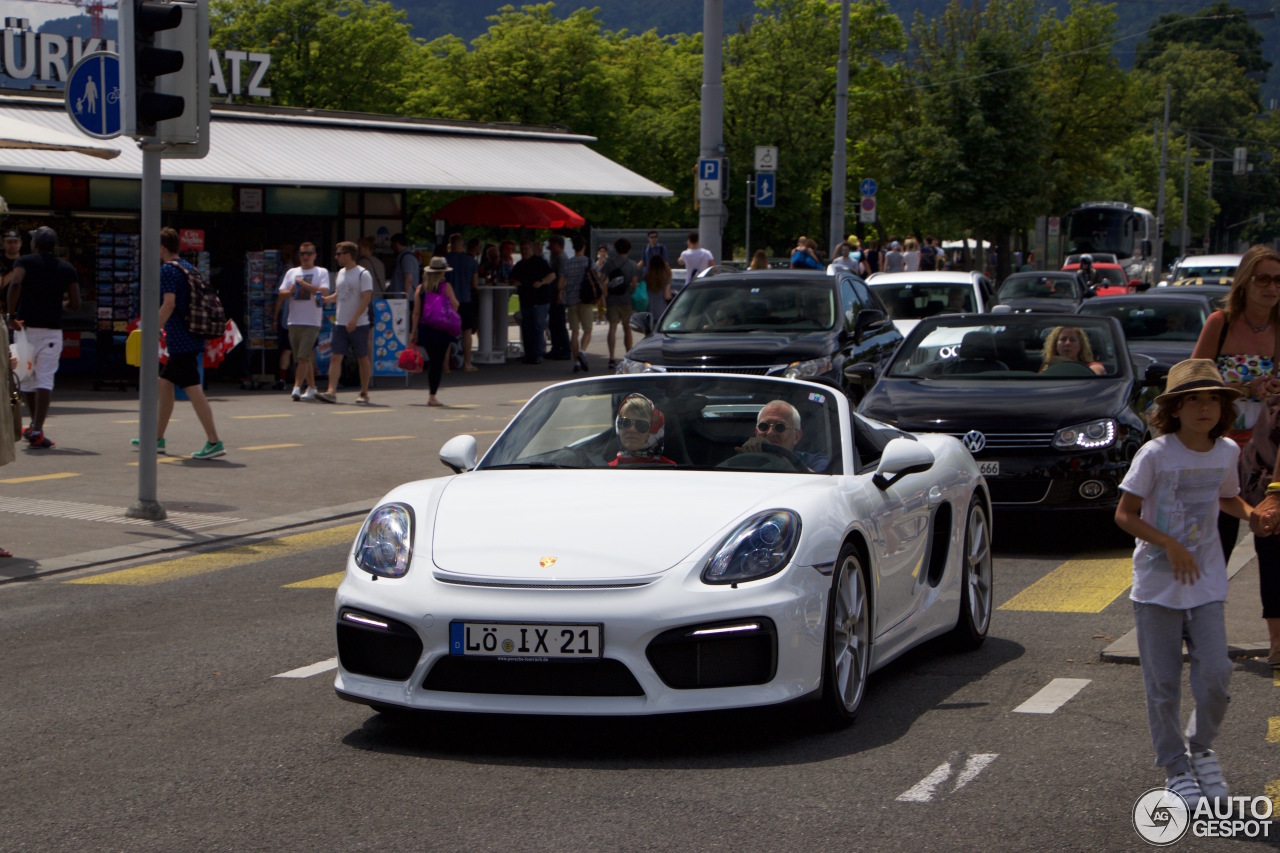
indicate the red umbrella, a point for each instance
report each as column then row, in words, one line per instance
column 509, row 211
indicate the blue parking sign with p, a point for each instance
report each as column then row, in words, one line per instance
column 709, row 170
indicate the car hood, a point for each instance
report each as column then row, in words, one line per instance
column 1030, row 405
column 732, row 349
column 1167, row 353
column 1041, row 306
column 596, row 524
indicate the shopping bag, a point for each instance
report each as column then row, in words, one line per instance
column 26, row 355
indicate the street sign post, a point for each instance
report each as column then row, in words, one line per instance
column 766, row 184
column 92, row 95
column 867, row 210
column 766, row 158
column 709, row 180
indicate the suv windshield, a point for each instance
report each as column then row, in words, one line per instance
column 916, row 301
column 1037, row 287
column 742, row 306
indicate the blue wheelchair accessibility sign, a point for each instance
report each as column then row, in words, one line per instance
column 93, row 95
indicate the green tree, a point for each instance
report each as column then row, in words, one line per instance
column 326, row 54
column 1217, row 27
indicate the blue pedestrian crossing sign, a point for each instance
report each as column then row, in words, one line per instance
column 868, row 186
column 766, row 187
column 93, row 95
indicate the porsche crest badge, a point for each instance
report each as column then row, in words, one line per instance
column 547, row 562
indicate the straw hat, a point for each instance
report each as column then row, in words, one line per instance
column 439, row 264
column 1194, row 374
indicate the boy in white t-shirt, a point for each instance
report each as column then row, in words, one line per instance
column 694, row 258
column 353, row 291
column 1169, row 500
column 305, row 286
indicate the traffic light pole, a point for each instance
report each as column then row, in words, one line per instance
column 147, row 506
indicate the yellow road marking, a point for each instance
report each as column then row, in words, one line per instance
column 62, row 476
column 485, row 432
column 135, row 420
column 199, row 564
column 1275, row 677
column 270, row 446
column 385, row 438
column 323, row 582
column 364, row 412
column 1076, row 586
column 257, row 417
column 517, row 402
column 463, row 406
column 171, row 457
column 1272, row 793
column 1273, row 730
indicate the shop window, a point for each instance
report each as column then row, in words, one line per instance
column 208, row 198
column 351, row 202
column 108, row 193
column 306, row 201
column 70, row 192
column 25, row 190
column 382, row 204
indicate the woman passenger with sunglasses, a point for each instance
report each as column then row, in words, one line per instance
column 1244, row 337
column 640, row 427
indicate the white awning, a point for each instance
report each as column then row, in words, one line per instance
column 298, row 148
column 16, row 133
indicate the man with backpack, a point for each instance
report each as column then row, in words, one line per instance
column 929, row 254
column 182, row 369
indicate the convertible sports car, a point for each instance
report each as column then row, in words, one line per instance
column 659, row 543
column 1047, row 429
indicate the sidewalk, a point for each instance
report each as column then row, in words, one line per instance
column 1246, row 632
column 288, row 464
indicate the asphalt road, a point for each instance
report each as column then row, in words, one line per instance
column 141, row 711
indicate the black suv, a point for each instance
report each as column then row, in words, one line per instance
column 796, row 323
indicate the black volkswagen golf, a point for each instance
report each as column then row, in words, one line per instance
column 770, row 323
column 1049, row 405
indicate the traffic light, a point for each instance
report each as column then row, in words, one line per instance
column 164, row 69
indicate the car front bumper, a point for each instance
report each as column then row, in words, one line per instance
column 640, row 625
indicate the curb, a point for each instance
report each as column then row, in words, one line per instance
column 214, row 542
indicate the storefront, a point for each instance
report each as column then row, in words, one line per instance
column 273, row 178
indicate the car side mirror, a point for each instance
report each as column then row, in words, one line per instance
column 862, row 373
column 459, row 453
column 1155, row 375
column 866, row 319
column 642, row 322
column 901, row 457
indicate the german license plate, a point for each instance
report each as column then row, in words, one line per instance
column 525, row 640
column 989, row 469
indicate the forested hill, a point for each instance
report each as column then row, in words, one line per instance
column 433, row 18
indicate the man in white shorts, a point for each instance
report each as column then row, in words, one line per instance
column 39, row 284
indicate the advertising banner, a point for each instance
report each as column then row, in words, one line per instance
column 390, row 335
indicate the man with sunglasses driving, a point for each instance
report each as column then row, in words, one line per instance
column 778, row 432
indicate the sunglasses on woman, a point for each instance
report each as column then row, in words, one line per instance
column 628, row 423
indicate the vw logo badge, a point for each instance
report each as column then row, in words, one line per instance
column 974, row 441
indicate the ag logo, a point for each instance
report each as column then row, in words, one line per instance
column 974, row 441
column 547, row 562
column 1161, row 817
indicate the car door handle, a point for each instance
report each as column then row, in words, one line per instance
column 935, row 496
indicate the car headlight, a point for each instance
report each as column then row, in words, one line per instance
column 758, row 547
column 385, row 544
column 629, row 366
column 802, row 369
column 1087, row 436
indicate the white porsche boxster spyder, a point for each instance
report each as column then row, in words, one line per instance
column 661, row 543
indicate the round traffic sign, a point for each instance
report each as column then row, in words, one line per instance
column 92, row 95
column 868, row 186
column 868, row 202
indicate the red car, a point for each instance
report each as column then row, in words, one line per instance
column 1114, row 282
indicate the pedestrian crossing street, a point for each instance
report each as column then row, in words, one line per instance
column 1080, row 585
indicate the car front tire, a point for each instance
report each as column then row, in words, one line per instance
column 847, row 653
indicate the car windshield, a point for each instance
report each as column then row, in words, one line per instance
column 739, row 306
column 1016, row 346
column 1037, row 287
column 1153, row 320
column 917, row 301
column 1191, row 271
column 674, row 422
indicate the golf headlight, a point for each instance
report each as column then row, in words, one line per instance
column 1087, row 436
column 629, row 366
column 758, row 547
column 385, row 544
column 802, row 369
